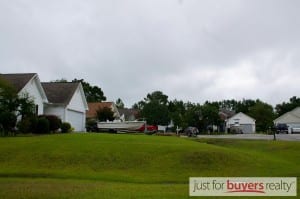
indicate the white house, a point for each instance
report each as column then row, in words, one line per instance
column 67, row 101
column 291, row 119
column 241, row 121
column 28, row 84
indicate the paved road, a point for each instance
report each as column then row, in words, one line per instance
column 287, row 137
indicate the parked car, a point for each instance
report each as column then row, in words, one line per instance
column 282, row 128
column 191, row 131
column 295, row 130
column 235, row 130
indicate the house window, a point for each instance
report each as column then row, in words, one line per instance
column 36, row 109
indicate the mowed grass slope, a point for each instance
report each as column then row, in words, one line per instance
column 131, row 166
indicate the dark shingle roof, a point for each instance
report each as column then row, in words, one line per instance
column 60, row 92
column 18, row 80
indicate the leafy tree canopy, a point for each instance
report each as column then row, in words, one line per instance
column 158, row 97
column 12, row 105
column 105, row 114
column 8, row 96
column 287, row 106
column 119, row 103
column 154, row 108
column 92, row 93
column 264, row 115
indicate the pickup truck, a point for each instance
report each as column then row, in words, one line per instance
column 281, row 128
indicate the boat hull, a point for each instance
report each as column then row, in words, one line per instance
column 129, row 125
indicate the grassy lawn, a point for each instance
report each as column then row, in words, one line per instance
column 132, row 166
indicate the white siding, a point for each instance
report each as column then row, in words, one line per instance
column 76, row 119
column 59, row 111
column 242, row 120
column 32, row 89
column 75, row 112
column 292, row 117
column 287, row 118
column 76, row 102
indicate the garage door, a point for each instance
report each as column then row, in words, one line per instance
column 247, row 128
column 76, row 119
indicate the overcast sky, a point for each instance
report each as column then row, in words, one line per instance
column 192, row 50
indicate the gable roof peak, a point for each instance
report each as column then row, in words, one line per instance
column 18, row 80
column 60, row 92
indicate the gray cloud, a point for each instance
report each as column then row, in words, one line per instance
column 191, row 50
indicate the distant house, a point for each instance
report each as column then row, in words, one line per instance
column 129, row 114
column 291, row 119
column 67, row 101
column 95, row 106
column 224, row 115
column 242, row 122
column 28, row 84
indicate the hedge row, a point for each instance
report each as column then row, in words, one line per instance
column 43, row 124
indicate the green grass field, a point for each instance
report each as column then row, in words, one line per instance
column 132, row 166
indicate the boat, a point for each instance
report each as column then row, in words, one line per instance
column 118, row 125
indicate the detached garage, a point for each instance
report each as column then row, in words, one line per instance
column 291, row 119
column 67, row 101
column 76, row 119
column 242, row 122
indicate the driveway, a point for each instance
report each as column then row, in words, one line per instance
column 287, row 137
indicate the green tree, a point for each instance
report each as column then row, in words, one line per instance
column 228, row 104
column 104, row 114
column 119, row 103
column 264, row 115
column 192, row 115
column 210, row 114
column 7, row 122
column 154, row 108
column 157, row 96
column 287, row 106
column 139, row 105
column 12, row 105
column 244, row 105
column 26, row 106
column 61, row 80
column 155, row 113
column 92, row 93
column 8, row 97
column 176, row 112
column 8, row 106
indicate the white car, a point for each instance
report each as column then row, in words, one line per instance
column 295, row 130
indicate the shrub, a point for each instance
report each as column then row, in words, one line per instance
column 7, row 122
column 91, row 126
column 54, row 122
column 104, row 114
column 27, row 125
column 65, row 127
column 42, row 126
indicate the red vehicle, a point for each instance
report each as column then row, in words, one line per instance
column 150, row 128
